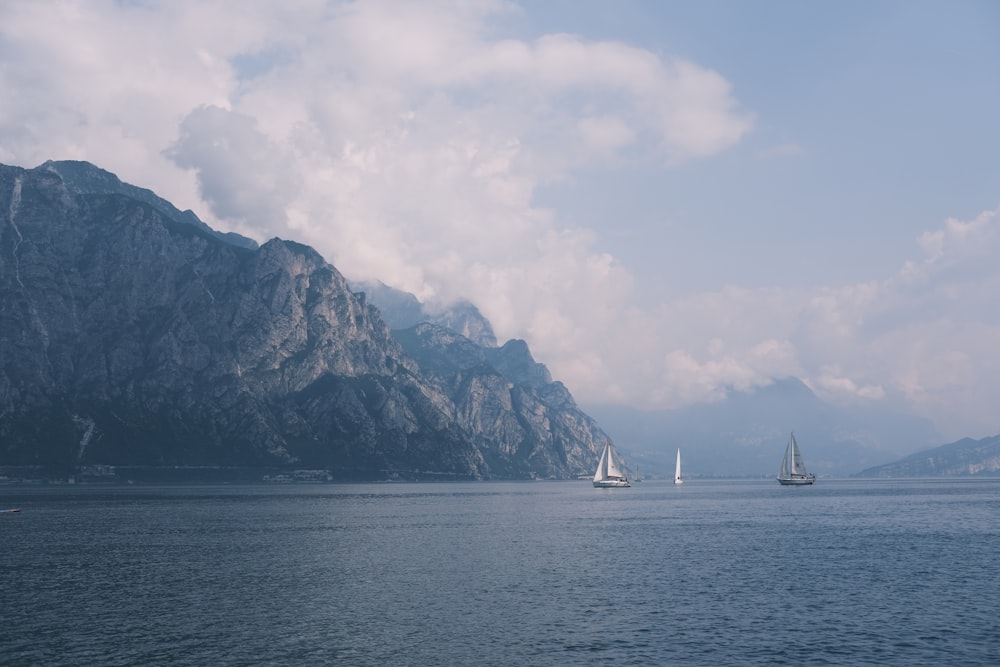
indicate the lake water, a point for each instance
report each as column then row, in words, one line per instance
column 543, row 573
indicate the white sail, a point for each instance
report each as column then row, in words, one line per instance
column 677, row 469
column 613, row 470
column 798, row 465
column 602, row 466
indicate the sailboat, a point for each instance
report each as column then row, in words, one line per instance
column 793, row 468
column 677, row 469
column 608, row 474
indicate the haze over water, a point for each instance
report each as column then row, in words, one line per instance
column 553, row 573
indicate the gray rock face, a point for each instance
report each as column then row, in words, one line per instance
column 131, row 336
column 85, row 178
column 534, row 426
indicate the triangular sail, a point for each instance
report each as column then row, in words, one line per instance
column 613, row 470
column 784, row 463
column 602, row 466
column 677, row 468
column 798, row 466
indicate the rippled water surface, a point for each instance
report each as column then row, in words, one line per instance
column 553, row 573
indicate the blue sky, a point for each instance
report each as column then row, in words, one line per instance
column 665, row 199
column 874, row 122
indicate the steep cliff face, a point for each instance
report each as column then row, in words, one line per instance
column 131, row 334
column 531, row 425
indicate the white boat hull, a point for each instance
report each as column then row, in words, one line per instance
column 611, row 483
column 796, row 481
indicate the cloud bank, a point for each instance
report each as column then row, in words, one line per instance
column 407, row 141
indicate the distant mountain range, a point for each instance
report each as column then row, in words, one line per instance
column 136, row 341
column 744, row 435
column 965, row 457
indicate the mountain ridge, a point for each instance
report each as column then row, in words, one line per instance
column 965, row 457
column 131, row 335
column 745, row 433
column 85, row 178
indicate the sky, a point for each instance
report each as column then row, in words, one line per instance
column 667, row 200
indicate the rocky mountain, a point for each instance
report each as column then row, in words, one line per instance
column 402, row 310
column 744, row 435
column 84, row 178
column 504, row 392
column 133, row 336
column 966, row 457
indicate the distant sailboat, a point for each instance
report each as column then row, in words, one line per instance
column 608, row 474
column 677, row 469
column 793, row 468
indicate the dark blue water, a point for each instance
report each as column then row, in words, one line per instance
column 560, row 573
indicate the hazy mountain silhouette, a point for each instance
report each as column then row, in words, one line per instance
column 745, row 433
column 966, row 457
